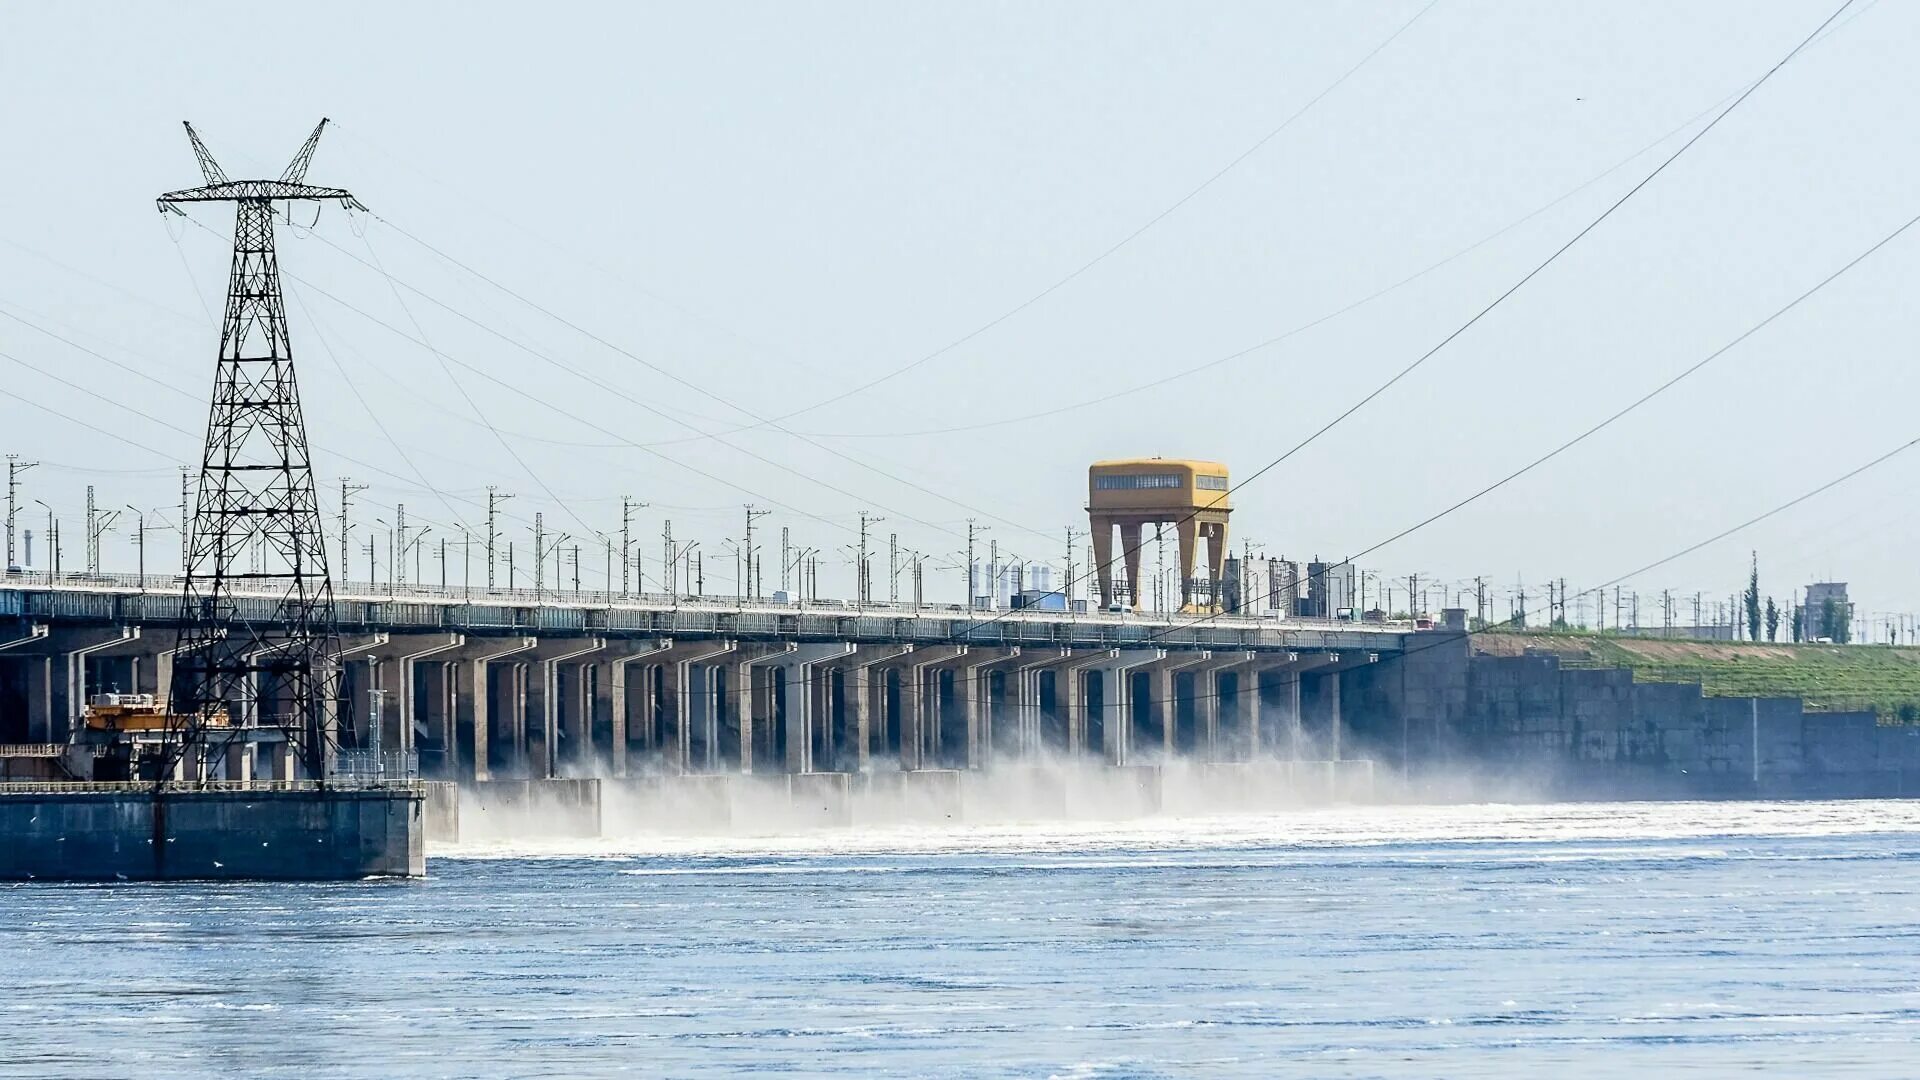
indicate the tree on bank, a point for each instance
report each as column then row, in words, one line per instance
column 1796, row 617
column 1753, row 600
column 1773, row 620
column 1834, row 624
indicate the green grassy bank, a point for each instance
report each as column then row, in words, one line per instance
column 1884, row 678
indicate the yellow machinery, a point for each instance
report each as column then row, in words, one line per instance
column 1133, row 492
column 133, row 712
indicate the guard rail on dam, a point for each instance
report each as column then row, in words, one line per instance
column 154, row 600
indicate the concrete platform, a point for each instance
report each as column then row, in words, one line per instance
column 667, row 804
column 910, row 797
column 564, row 809
column 820, row 800
column 1115, row 791
column 442, row 811
column 1013, row 795
column 122, row 833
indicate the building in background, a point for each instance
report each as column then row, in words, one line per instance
column 1826, row 612
column 1330, row 590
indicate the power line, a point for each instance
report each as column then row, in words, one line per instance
column 1548, row 261
column 1516, row 286
column 1607, row 421
column 1057, row 284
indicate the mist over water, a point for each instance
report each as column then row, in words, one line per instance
column 1388, row 940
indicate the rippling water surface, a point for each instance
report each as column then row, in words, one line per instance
column 1594, row 940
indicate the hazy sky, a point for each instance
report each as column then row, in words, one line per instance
column 747, row 210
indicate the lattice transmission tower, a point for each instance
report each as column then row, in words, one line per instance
column 241, row 663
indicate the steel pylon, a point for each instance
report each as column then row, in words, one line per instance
column 257, row 514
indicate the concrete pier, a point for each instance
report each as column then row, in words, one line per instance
column 123, row 833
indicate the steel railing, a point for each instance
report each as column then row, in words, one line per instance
column 567, row 600
column 82, row 787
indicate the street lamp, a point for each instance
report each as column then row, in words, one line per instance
column 53, row 542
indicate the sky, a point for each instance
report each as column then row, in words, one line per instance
column 916, row 260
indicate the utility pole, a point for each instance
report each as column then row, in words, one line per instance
column 494, row 499
column 539, row 553
column 993, row 574
column 398, row 573
column 786, row 563
column 747, row 588
column 862, row 586
column 101, row 523
column 1066, row 587
column 346, row 497
column 671, row 565
column 14, row 468
column 893, row 568
column 186, row 539
column 576, row 570
column 443, row 564
column 139, row 545
column 973, row 531
column 419, row 542
column 1480, row 600
column 96, row 527
column 626, row 544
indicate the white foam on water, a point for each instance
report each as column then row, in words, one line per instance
column 1319, row 827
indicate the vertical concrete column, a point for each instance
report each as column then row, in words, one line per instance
column 1070, row 694
column 618, row 672
column 578, row 727
column 520, row 698
column 1117, row 703
column 969, row 684
column 919, row 707
column 78, row 646
column 1214, row 745
column 1290, row 701
column 239, row 763
column 162, row 675
column 753, row 702
column 800, row 672
column 1333, row 710
column 366, row 650
column 474, row 704
column 1165, row 705
column 688, row 711
column 859, row 689
column 1024, row 677
column 409, row 662
column 544, row 762
column 448, row 691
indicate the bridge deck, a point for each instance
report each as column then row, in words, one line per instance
column 155, row 600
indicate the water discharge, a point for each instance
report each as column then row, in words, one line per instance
column 1625, row 939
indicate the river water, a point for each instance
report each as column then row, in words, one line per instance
column 1632, row 940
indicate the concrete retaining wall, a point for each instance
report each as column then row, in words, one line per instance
column 272, row 835
column 1476, row 726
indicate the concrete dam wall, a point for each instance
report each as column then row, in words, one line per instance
column 129, row 835
column 1449, row 718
